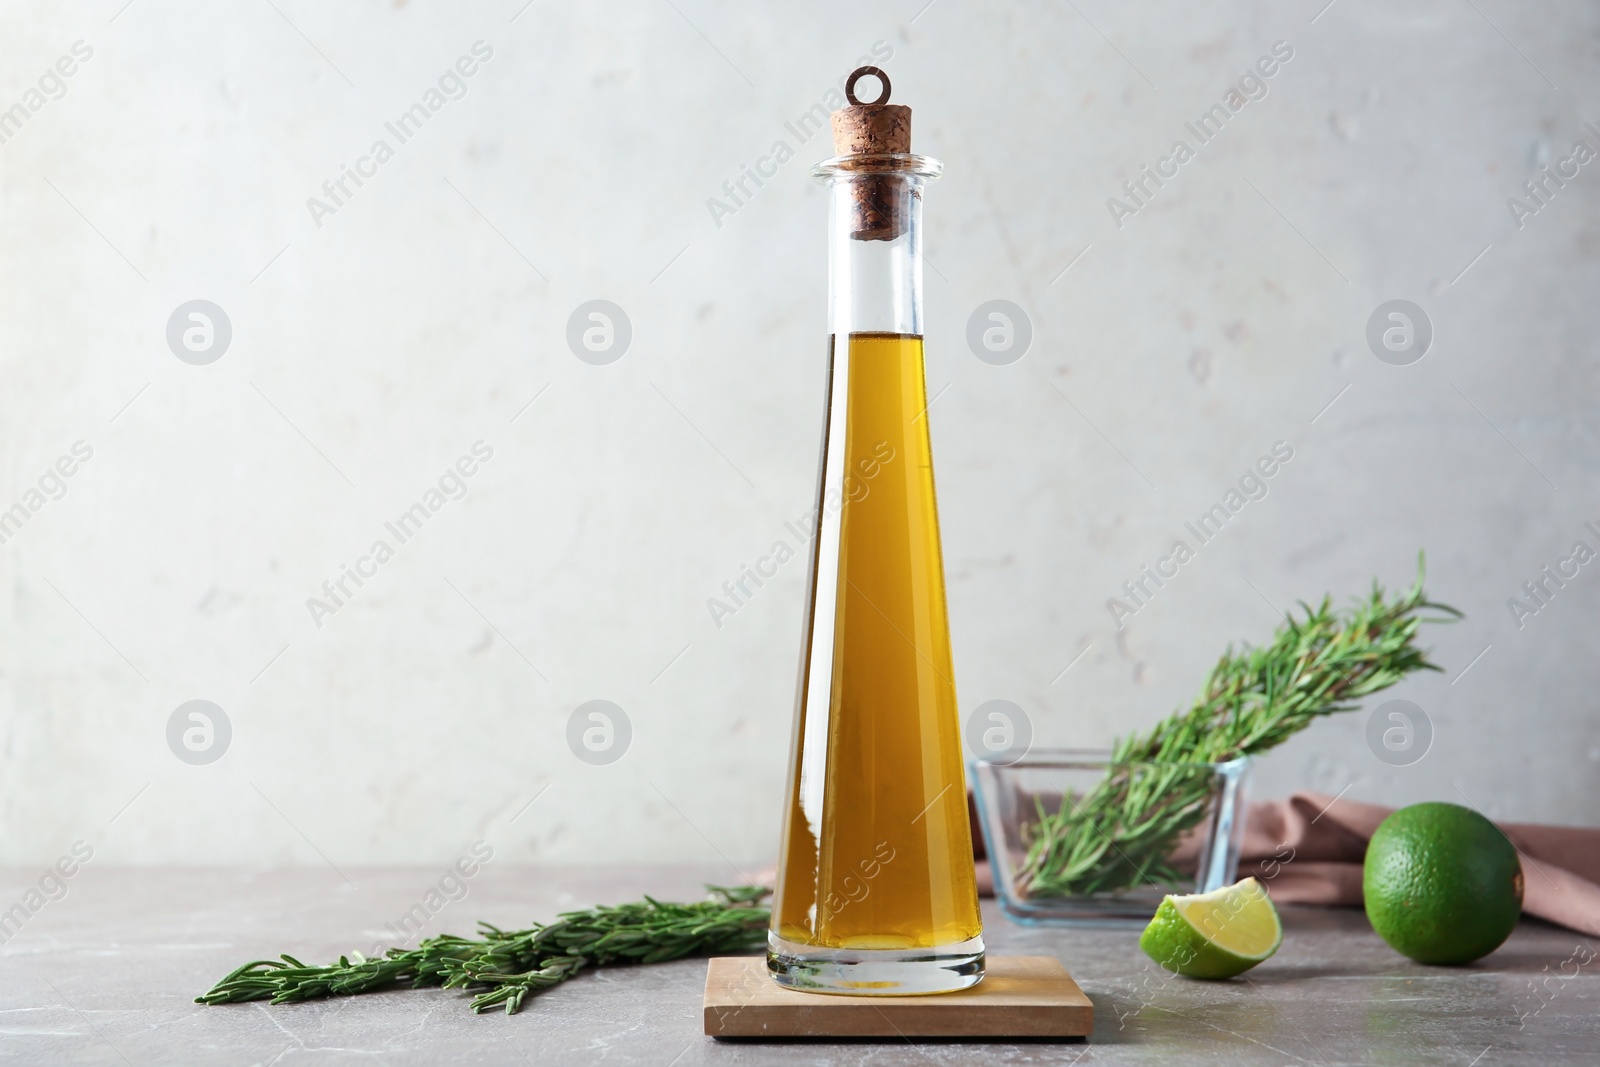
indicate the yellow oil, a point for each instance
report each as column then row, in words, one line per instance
column 885, row 860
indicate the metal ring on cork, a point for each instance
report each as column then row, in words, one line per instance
column 863, row 72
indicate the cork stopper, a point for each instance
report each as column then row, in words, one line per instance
column 876, row 128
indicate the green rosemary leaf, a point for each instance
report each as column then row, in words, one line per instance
column 508, row 966
column 1118, row 834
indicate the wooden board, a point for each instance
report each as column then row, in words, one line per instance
column 1020, row 996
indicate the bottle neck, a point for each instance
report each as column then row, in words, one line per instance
column 875, row 253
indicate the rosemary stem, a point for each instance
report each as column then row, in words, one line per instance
column 1118, row 834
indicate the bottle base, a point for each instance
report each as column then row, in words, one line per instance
column 875, row 972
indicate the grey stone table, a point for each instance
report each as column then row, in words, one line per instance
column 106, row 975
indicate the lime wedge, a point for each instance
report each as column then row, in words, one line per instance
column 1214, row 935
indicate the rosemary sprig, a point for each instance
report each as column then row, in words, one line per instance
column 1120, row 833
column 508, row 966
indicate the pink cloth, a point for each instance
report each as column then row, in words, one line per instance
column 1308, row 849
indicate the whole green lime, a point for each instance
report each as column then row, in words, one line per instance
column 1441, row 883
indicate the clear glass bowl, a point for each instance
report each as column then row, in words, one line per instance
column 1076, row 839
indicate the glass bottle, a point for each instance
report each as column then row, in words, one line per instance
column 876, row 891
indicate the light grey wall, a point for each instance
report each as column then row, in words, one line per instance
column 373, row 346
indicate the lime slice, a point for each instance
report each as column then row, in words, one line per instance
column 1214, row 935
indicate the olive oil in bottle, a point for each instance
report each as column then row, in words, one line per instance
column 876, row 890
